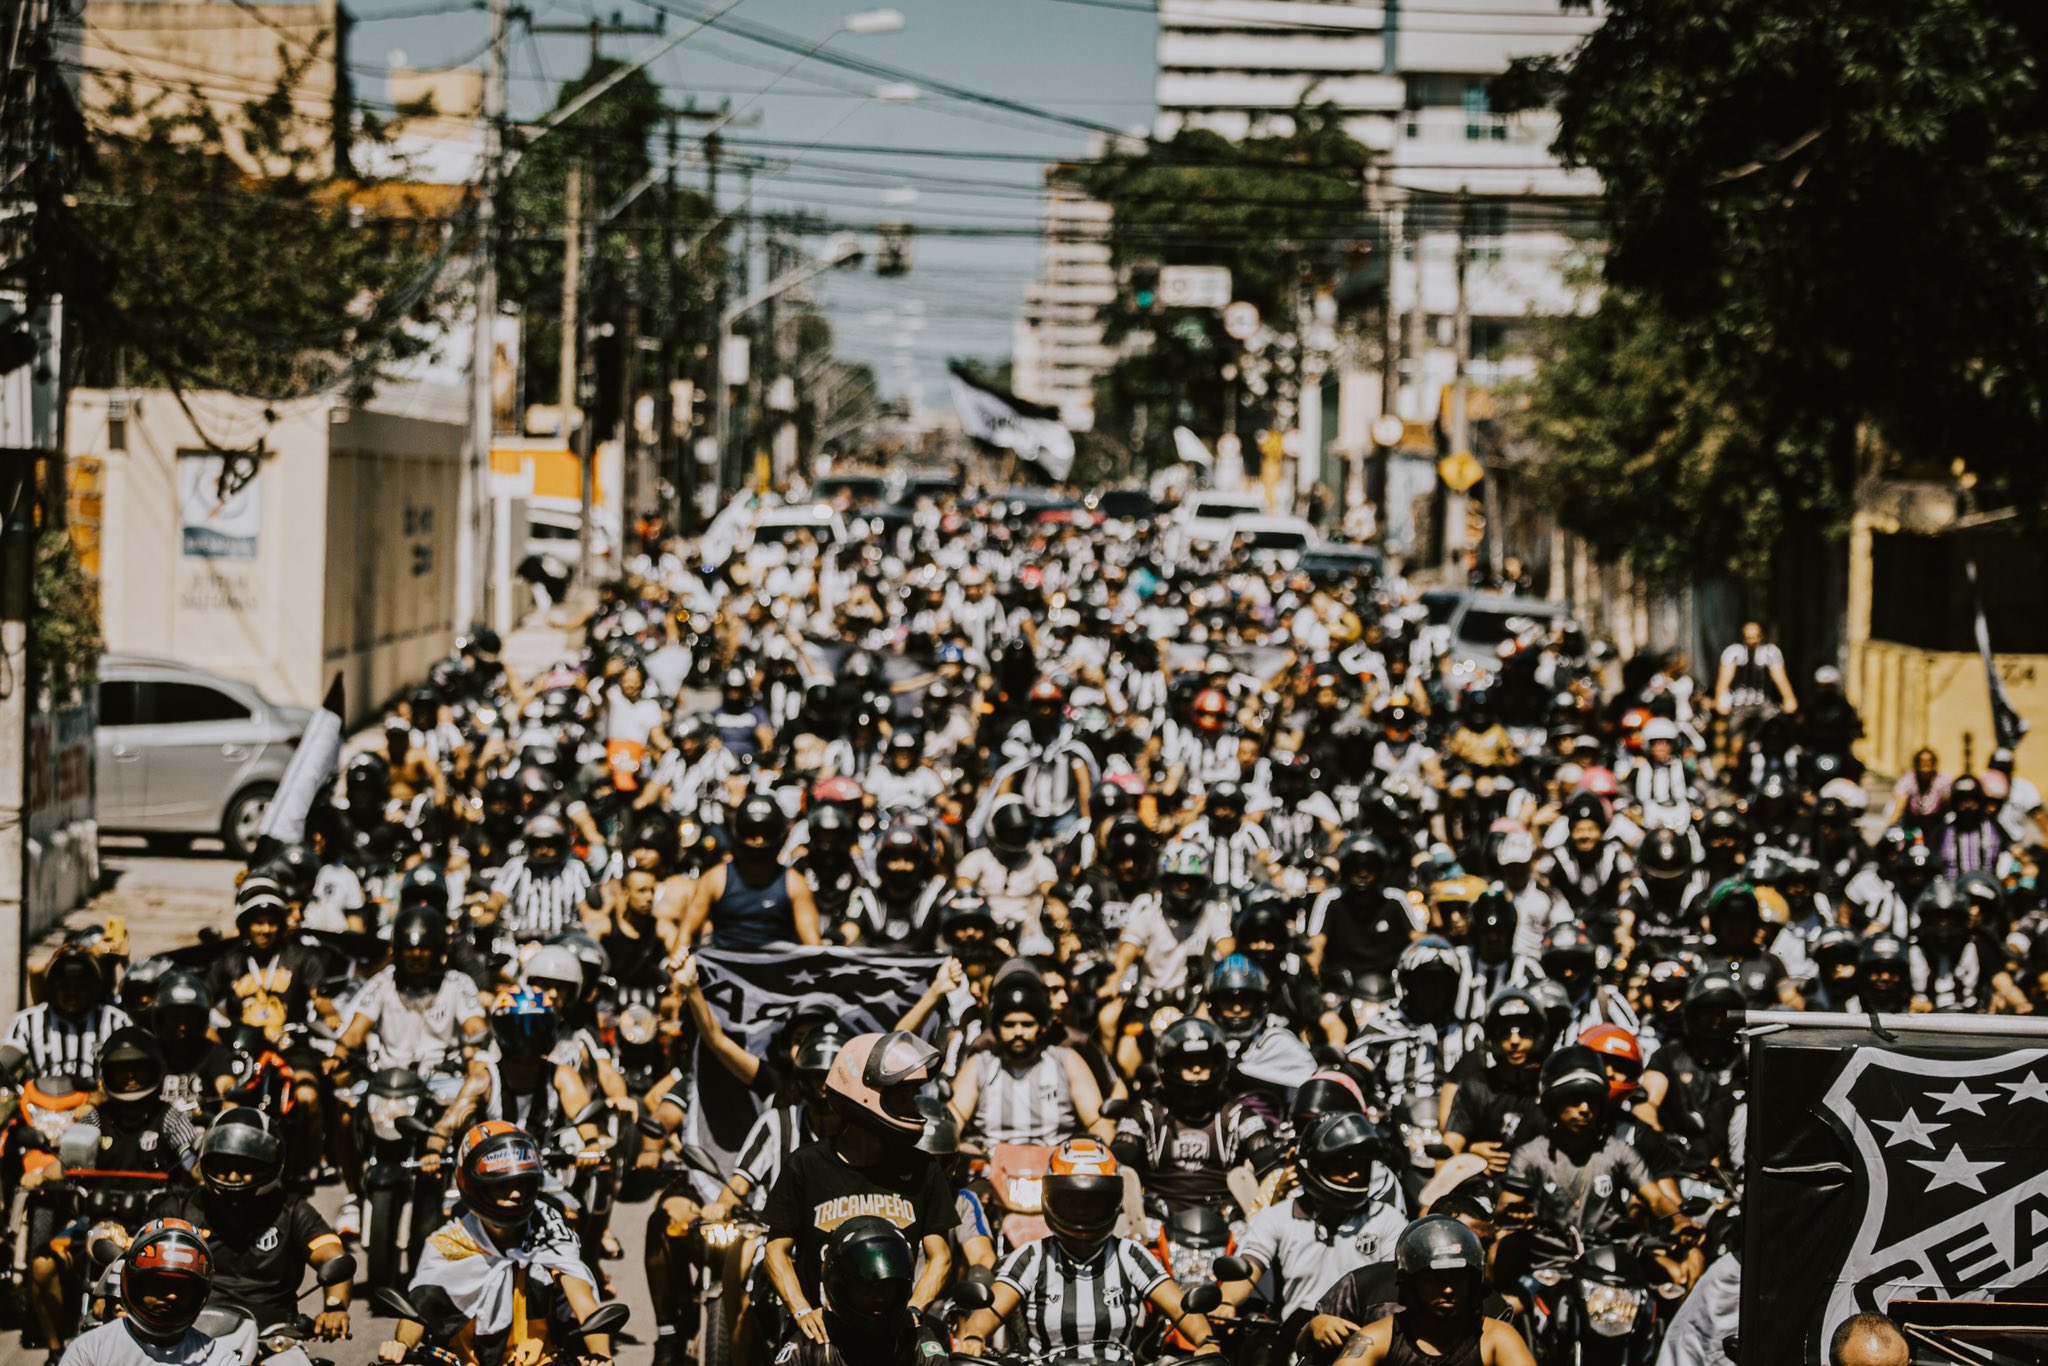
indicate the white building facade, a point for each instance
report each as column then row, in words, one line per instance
column 1058, row 350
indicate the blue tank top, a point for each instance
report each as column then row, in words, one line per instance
column 746, row 917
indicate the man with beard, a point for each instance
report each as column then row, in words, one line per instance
column 902, row 912
column 263, row 1238
column 1025, row 1089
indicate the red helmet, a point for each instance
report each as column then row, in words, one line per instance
column 498, row 1171
column 1600, row 782
column 1047, row 689
column 839, row 790
column 1622, row 1054
column 166, row 1275
column 1212, row 709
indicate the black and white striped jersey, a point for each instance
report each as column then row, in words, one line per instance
column 541, row 905
column 1065, row 1305
column 58, row 1045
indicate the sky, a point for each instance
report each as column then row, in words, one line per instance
column 1090, row 61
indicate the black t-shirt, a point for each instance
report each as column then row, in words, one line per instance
column 1371, row 1292
column 1487, row 1109
column 259, row 1252
column 818, row 1191
column 913, row 1343
column 268, row 990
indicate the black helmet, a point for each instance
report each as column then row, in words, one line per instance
column 73, row 966
column 1010, row 825
column 1835, row 947
column 1572, row 1074
column 1335, row 1160
column 1360, row 854
column 1018, row 989
column 240, row 1155
column 1190, row 1040
column 1940, row 909
column 833, row 829
column 131, row 1065
column 166, row 1275
column 1430, row 957
column 1568, row 947
column 1982, row 891
column 1556, row 1003
column 416, row 927
column 1434, row 1245
column 1238, row 979
column 180, row 997
column 867, row 1272
column 1665, row 855
column 814, row 1059
column 759, row 819
column 1331, row 1091
column 1491, row 913
column 1884, row 950
column 1517, row 1011
column 425, row 887
column 1713, row 1006
column 546, row 832
column 1224, row 797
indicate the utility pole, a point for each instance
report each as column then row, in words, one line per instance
column 1455, row 504
column 664, row 396
column 572, row 337
column 721, row 416
column 629, row 392
column 474, row 581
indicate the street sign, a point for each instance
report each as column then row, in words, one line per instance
column 1194, row 286
column 1241, row 320
column 1387, row 430
column 1459, row 471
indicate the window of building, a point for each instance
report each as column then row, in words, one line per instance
column 1481, row 123
column 190, row 703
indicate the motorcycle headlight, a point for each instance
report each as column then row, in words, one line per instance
column 51, row 1124
column 721, row 1234
column 1611, row 1309
column 1025, row 1193
column 637, row 1025
column 1549, row 1275
column 1191, row 1263
column 386, row 1111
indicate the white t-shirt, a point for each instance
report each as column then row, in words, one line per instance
column 1012, row 894
column 1757, row 689
column 1166, row 956
column 414, row 1030
column 2022, row 800
column 114, row 1344
column 1307, row 1259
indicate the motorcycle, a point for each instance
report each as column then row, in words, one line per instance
column 447, row 1327
column 1591, row 1305
column 402, row 1203
column 1015, row 1177
column 277, row 1344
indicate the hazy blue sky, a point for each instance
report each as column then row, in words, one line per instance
column 1076, row 59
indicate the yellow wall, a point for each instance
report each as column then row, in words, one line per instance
column 554, row 472
column 1911, row 698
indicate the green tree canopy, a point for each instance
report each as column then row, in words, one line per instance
column 1828, row 237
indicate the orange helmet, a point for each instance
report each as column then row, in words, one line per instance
column 498, row 1171
column 1083, row 1195
column 1621, row 1053
column 166, row 1275
column 1212, row 709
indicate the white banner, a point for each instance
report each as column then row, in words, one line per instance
column 989, row 417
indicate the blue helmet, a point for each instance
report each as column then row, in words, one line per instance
column 523, row 1022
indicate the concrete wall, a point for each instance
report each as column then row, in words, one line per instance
column 390, row 588
column 63, row 836
column 1911, row 698
column 343, row 561
column 252, row 616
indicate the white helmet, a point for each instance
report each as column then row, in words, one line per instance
column 1659, row 728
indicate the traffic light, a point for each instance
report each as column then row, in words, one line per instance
column 1144, row 285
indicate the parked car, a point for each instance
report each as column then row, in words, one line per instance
column 850, row 489
column 183, row 752
column 1134, row 506
column 1203, row 521
column 927, row 483
column 1334, row 565
column 782, row 525
column 1273, row 540
column 1477, row 623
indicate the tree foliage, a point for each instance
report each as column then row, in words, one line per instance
column 1285, row 214
column 259, row 272
column 1827, row 237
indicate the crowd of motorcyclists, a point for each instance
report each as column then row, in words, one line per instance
column 1298, row 989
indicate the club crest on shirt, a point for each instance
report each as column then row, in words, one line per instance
column 1603, row 1186
column 269, row 1241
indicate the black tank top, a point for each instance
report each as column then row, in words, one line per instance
column 1402, row 1351
column 749, row 917
column 637, row 960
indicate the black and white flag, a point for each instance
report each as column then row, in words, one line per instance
column 753, row 993
column 2007, row 725
column 1034, row 434
column 1908, row 1165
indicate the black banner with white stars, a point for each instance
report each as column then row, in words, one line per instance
column 1880, row 1169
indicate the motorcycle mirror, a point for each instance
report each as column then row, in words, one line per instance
column 971, row 1296
column 1437, row 1152
column 1203, row 1299
column 984, row 1276
column 591, row 1113
column 392, row 1303
column 650, row 1127
column 337, row 1270
column 412, row 1126
column 1116, row 1107
column 105, row 1251
column 1230, row 1268
column 699, row 1160
column 1696, row 1207
column 606, row 1318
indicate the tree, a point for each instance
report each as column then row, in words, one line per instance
column 1285, row 214
column 261, row 273
column 1827, row 240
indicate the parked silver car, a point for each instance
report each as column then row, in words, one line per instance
column 183, row 752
